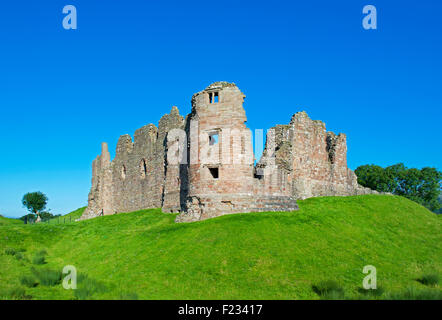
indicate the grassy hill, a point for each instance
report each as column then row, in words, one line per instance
column 7, row 221
column 145, row 254
column 70, row 217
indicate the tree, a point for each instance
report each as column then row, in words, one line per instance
column 440, row 203
column 375, row 178
column 29, row 218
column 35, row 202
column 422, row 186
column 45, row 215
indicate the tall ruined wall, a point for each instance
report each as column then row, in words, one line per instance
column 275, row 166
column 315, row 159
column 100, row 199
column 137, row 171
column 173, row 177
column 137, row 177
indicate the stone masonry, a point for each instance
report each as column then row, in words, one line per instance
column 202, row 166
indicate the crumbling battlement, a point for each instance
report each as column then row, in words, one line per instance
column 315, row 159
column 203, row 166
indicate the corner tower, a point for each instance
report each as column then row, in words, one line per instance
column 220, row 153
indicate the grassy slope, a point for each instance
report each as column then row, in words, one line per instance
column 6, row 221
column 69, row 217
column 242, row 256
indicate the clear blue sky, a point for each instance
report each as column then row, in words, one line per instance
column 63, row 92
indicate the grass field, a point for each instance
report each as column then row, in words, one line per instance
column 287, row 255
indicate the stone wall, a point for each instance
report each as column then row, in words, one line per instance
column 203, row 166
column 137, row 177
column 221, row 170
column 314, row 159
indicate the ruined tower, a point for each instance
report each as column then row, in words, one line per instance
column 221, row 160
column 220, row 151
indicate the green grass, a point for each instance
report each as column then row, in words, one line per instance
column 28, row 281
column 146, row 255
column 7, row 222
column 67, row 218
column 329, row 290
column 429, row 279
column 38, row 259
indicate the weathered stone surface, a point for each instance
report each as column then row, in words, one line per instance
column 136, row 178
column 234, row 189
column 316, row 160
column 203, row 166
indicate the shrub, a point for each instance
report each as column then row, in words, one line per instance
column 48, row 277
column 19, row 256
column 16, row 293
column 372, row 292
column 87, row 287
column 38, row 259
column 329, row 290
column 429, row 279
column 28, row 281
column 10, row 251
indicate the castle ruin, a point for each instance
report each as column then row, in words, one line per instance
column 203, row 166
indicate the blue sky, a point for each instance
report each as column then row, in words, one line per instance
column 63, row 92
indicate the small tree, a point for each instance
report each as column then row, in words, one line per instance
column 35, row 202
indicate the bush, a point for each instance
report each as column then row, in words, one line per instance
column 16, row 293
column 28, row 281
column 329, row 290
column 38, row 259
column 371, row 292
column 429, row 279
column 42, row 252
column 19, row 256
column 10, row 251
column 48, row 277
column 87, row 287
